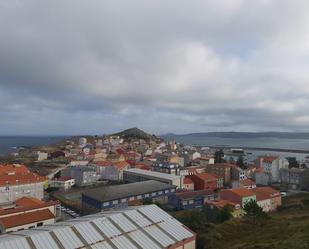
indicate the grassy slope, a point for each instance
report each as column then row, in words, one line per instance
column 288, row 228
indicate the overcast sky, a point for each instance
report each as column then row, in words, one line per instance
column 92, row 67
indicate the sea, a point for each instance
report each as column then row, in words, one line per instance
column 10, row 144
column 260, row 142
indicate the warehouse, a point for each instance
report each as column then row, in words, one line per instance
column 138, row 175
column 119, row 196
column 134, row 228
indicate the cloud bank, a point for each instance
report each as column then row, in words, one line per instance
column 74, row 67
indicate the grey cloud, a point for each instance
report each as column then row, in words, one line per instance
column 166, row 66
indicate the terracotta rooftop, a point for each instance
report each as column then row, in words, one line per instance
column 26, row 218
column 268, row 191
column 207, row 176
column 221, row 203
column 27, row 204
column 14, row 174
column 187, row 180
column 247, row 182
column 243, row 192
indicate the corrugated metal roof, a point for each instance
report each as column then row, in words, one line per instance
column 13, row 242
column 122, row 242
column 143, row 240
column 41, row 239
column 160, row 236
column 136, row 227
column 102, row 245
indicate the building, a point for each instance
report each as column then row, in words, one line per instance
column 83, row 175
column 138, row 175
column 137, row 227
column 165, row 167
column 190, row 199
column 261, row 177
column 213, row 206
column 82, row 141
column 238, row 195
column 41, row 156
column 25, row 213
column 246, row 183
column 237, row 173
column 188, row 184
column 112, row 171
column 272, row 166
column 119, row 196
column 270, row 197
column 62, row 183
column 222, row 170
column 295, row 178
column 206, row 181
column 17, row 181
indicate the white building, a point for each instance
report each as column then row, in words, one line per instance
column 17, row 181
column 272, row 165
column 63, row 183
column 138, row 175
column 82, row 141
column 42, row 156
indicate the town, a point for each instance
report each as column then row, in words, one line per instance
column 128, row 190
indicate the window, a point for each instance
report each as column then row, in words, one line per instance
column 160, row 192
column 132, row 198
column 172, row 190
column 166, row 191
column 139, row 197
column 105, row 204
column 146, row 195
column 153, row 194
column 184, row 203
column 115, row 202
column 191, row 202
column 39, row 224
column 123, row 200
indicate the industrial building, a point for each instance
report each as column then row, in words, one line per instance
column 119, row 196
column 139, row 175
column 134, row 228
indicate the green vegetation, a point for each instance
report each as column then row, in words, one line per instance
column 254, row 212
column 286, row 228
column 219, row 154
column 240, row 162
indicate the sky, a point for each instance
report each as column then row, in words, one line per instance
column 92, row 67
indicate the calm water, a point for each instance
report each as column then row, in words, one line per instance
column 267, row 142
column 8, row 142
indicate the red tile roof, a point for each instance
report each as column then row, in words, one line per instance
column 15, row 174
column 27, row 204
column 247, row 182
column 221, row 203
column 26, row 218
column 207, row 176
column 268, row 191
column 243, row 192
column 187, row 180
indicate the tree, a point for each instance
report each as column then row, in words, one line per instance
column 240, row 162
column 293, row 163
column 253, row 212
column 219, row 154
column 224, row 214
